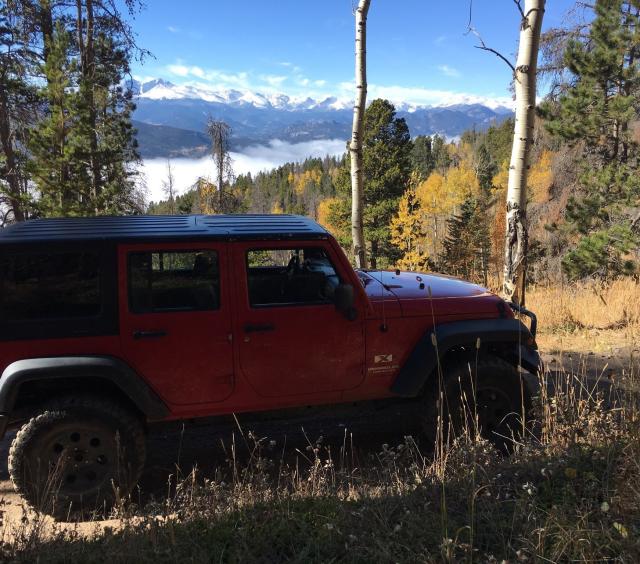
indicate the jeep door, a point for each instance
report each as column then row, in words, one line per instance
column 291, row 338
column 175, row 319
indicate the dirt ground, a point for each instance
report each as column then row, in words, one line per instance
column 599, row 361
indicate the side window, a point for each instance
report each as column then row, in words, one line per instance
column 46, row 286
column 294, row 276
column 163, row 281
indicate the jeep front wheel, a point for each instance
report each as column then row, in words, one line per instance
column 486, row 397
column 78, row 455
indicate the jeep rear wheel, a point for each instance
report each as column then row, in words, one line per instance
column 77, row 456
column 487, row 398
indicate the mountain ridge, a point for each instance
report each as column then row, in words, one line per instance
column 171, row 119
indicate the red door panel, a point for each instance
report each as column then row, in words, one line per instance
column 295, row 349
column 175, row 317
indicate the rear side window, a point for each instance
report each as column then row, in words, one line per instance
column 165, row 281
column 45, row 286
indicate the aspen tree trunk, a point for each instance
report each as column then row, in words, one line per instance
column 355, row 147
column 525, row 86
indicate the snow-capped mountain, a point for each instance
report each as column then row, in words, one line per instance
column 171, row 118
column 160, row 89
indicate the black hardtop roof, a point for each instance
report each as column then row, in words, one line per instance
column 163, row 227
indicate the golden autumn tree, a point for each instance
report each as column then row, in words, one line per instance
column 407, row 233
column 207, row 196
column 306, row 179
column 441, row 196
column 540, row 178
column 498, row 226
column 326, row 213
column 333, row 214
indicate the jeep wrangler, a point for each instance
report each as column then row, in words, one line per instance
column 110, row 324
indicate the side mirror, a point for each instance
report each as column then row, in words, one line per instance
column 343, row 298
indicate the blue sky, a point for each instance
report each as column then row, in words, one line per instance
column 417, row 50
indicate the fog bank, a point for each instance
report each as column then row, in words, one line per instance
column 252, row 159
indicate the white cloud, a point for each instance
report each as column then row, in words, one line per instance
column 252, row 159
column 214, row 76
column 273, row 80
column 440, row 39
column 418, row 96
column 178, row 70
column 319, row 83
column 197, row 71
column 287, row 64
column 449, row 71
column 173, row 29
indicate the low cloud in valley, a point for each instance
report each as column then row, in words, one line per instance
column 253, row 159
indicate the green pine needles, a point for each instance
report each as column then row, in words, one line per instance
column 597, row 114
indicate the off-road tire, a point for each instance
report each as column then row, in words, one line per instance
column 77, row 456
column 500, row 401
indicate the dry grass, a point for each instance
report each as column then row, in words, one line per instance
column 589, row 318
column 593, row 305
column 570, row 492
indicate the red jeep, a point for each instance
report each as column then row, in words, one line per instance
column 110, row 324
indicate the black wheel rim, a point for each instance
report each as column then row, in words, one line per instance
column 497, row 417
column 77, row 460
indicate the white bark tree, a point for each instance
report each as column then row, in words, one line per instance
column 516, row 240
column 169, row 189
column 355, row 146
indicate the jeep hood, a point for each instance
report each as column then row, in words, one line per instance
column 418, row 292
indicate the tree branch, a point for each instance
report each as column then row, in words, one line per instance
column 484, row 47
column 519, row 6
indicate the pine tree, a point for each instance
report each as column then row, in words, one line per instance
column 467, row 246
column 84, row 149
column 58, row 177
column 387, row 168
column 485, row 167
column 422, row 160
column 17, row 100
column 440, row 154
column 596, row 111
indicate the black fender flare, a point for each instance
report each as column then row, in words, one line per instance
column 107, row 368
column 516, row 342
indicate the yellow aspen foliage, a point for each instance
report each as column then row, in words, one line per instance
column 277, row 208
column 207, row 196
column 501, row 179
column 541, row 178
column 429, row 193
column 290, row 178
column 460, row 184
column 439, row 197
column 442, row 195
column 407, row 233
column 311, row 178
column 334, row 214
column 325, row 211
column 465, row 154
column 435, row 207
